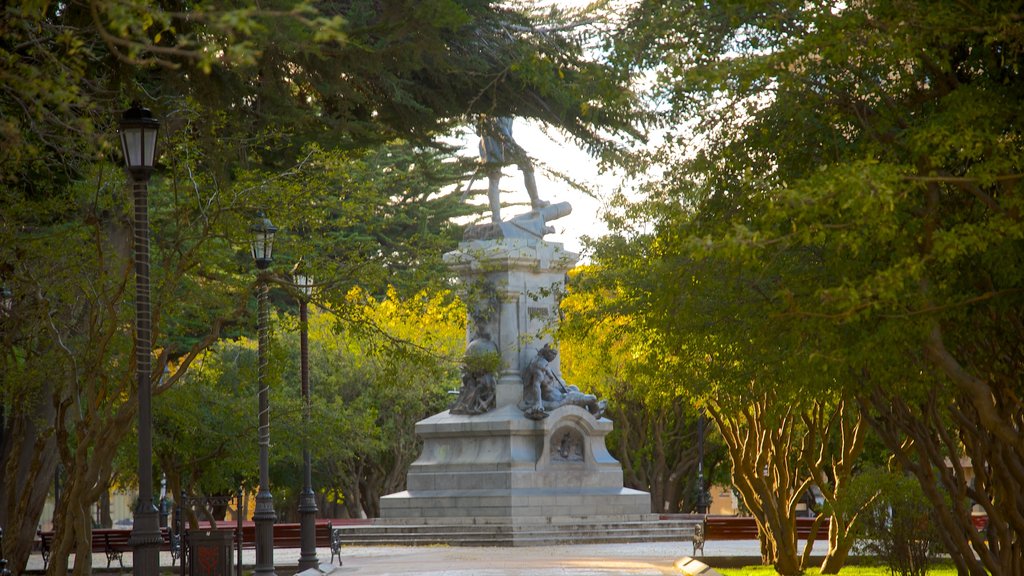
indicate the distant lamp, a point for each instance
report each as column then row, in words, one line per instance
column 138, row 139
column 304, row 283
column 262, row 241
column 307, row 498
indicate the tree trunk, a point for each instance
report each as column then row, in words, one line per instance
column 104, row 505
column 89, row 468
column 72, row 525
column 765, row 473
column 28, row 462
column 934, row 456
column 838, row 551
column 841, row 426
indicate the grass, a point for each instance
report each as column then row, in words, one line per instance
column 937, row 570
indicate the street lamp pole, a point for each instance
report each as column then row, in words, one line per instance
column 307, row 499
column 264, row 515
column 703, row 498
column 138, row 142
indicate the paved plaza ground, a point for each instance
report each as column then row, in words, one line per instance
column 635, row 559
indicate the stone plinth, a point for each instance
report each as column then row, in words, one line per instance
column 500, row 466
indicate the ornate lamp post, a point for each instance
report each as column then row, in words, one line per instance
column 264, row 516
column 307, row 499
column 703, row 496
column 138, row 142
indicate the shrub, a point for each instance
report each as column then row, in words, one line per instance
column 899, row 528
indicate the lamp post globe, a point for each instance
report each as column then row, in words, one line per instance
column 262, row 245
column 138, row 130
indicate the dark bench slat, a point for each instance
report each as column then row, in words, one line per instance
column 745, row 528
column 290, row 535
column 112, row 542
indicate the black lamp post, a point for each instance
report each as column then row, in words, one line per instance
column 307, row 499
column 264, row 516
column 703, row 496
column 138, row 142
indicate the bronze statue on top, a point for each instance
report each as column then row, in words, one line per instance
column 498, row 149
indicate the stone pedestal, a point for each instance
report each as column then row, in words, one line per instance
column 500, row 467
column 512, row 287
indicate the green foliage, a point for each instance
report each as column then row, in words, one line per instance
column 482, row 362
column 205, row 427
column 387, row 366
column 287, row 73
column 823, row 218
column 836, row 211
column 608, row 353
column 368, row 387
column 326, row 114
column 899, row 528
column 377, row 219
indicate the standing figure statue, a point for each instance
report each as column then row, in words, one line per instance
column 544, row 389
column 498, row 149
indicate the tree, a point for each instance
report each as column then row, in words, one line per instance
column 204, row 427
column 74, row 382
column 876, row 144
column 348, row 74
column 385, row 368
column 779, row 406
column 655, row 436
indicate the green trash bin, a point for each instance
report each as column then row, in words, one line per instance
column 210, row 552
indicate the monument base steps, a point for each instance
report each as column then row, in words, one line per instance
column 508, row 533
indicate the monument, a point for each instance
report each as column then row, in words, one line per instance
column 520, row 447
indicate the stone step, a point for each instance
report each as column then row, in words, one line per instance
column 501, row 526
column 508, row 541
column 440, row 532
column 517, row 535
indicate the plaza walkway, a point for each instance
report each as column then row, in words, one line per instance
column 635, row 559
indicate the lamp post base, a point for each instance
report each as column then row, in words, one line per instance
column 264, row 517
column 307, row 525
column 145, row 540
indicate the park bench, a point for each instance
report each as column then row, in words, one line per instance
column 745, row 528
column 730, row 528
column 112, row 542
column 290, row 535
column 286, row 535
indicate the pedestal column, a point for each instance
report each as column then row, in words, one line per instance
column 510, row 381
